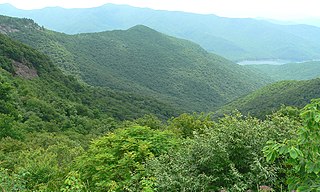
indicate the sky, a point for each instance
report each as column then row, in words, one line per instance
column 273, row 9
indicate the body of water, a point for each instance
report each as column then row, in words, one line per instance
column 261, row 62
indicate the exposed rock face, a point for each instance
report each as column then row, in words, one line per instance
column 7, row 29
column 24, row 71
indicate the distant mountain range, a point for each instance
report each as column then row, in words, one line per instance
column 235, row 39
column 307, row 21
column 310, row 21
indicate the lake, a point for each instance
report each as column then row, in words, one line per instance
column 271, row 62
column 261, row 62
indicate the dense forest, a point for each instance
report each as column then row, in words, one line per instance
column 142, row 60
column 59, row 131
column 271, row 97
column 53, row 141
column 290, row 71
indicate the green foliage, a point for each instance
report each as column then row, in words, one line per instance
column 31, row 158
column 116, row 161
column 7, row 127
column 73, row 183
column 5, row 89
column 270, row 98
column 41, row 161
column 228, row 155
column 9, row 182
column 55, row 95
column 289, row 111
column 6, row 64
column 52, row 89
column 151, row 121
column 47, row 123
column 187, row 125
column 7, row 98
column 301, row 154
column 16, row 51
column 188, row 78
column 38, row 168
column 290, row 71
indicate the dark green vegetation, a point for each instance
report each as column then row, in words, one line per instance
column 42, row 150
column 290, row 71
column 236, row 39
column 57, row 134
column 63, row 95
column 301, row 153
column 141, row 60
column 47, row 119
column 289, row 93
column 270, row 98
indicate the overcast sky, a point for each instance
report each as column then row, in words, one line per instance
column 275, row 9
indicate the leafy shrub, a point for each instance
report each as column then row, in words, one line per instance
column 116, row 161
column 228, row 155
column 300, row 155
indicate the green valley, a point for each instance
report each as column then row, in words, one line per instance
column 141, row 60
column 48, row 86
column 57, row 135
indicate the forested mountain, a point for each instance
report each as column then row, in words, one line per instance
column 56, row 136
column 290, row 71
column 59, row 134
column 235, row 39
column 47, row 119
column 51, row 95
column 270, row 98
column 141, row 60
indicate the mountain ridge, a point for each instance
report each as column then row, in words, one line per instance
column 49, row 85
column 143, row 60
column 236, row 39
column 271, row 98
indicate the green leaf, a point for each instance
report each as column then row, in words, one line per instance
column 293, row 153
column 283, row 150
column 310, row 167
column 304, row 188
column 317, row 118
column 317, row 168
column 271, row 156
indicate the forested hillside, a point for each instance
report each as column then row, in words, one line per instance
column 235, row 39
column 59, row 134
column 270, row 98
column 141, row 60
column 54, row 137
column 290, row 71
column 62, row 95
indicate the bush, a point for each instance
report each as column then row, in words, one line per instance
column 116, row 161
column 300, row 155
column 228, row 155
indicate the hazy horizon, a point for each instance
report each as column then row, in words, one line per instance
column 284, row 10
